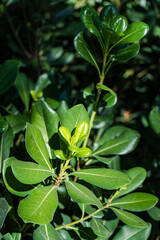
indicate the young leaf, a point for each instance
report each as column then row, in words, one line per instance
column 133, row 233
column 129, row 218
column 4, row 208
column 12, row 184
column 42, row 82
column 74, row 116
column 46, row 232
column 138, row 176
column 65, row 135
column 99, row 229
column 82, row 194
column 39, row 206
column 8, row 73
column 119, row 24
column 80, row 133
column 59, row 154
column 154, row 118
column 36, row 146
column 108, row 13
column 83, row 50
column 136, row 202
column 126, row 53
column 83, row 152
column 103, row 177
column 117, row 140
column 22, row 84
column 29, row 173
column 134, row 32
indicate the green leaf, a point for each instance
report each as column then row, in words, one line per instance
column 80, row 133
column 17, row 122
column 62, row 109
column 74, row 116
column 36, row 146
column 65, row 135
column 39, row 206
column 8, row 73
column 136, row 202
column 126, row 53
column 45, row 118
column 134, row 32
column 83, row 152
column 105, row 160
column 28, row 172
column 82, row 194
column 108, row 13
column 22, row 84
column 110, row 98
column 83, row 50
column 4, row 208
column 154, row 118
column 99, row 229
column 59, row 154
column 42, row 82
column 117, row 140
column 103, row 177
column 46, row 232
column 12, row 184
column 3, row 126
column 119, row 24
column 129, row 218
column 154, row 213
column 138, row 176
column 133, row 233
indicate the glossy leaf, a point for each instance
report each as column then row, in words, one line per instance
column 109, row 36
column 110, row 98
column 36, row 147
column 133, row 233
column 154, row 118
column 8, row 73
column 84, row 50
column 129, row 218
column 4, row 208
column 46, row 232
column 138, row 176
column 83, row 152
column 12, row 184
column 65, row 135
column 117, row 140
column 28, row 172
column 45, row 118
column 59, row 154
column 103, row 177
column 3, row 126
column 89, row 209
column 119, row 24
column 108, row 13
column 82, row 194
column 134, row 32
column 136, row 202
column 22, row 84
column 42, row 82
column 105, row 159
column 99, row 229
column 80, row 132
column 17, row 122
column 62, row 109
column 74, row 116
column 126, row 53
column 39, row 206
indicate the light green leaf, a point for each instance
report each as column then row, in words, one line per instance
column 59, row 154
column 82, row 194
column 136, row 202
column 74, row 116
column 119, row 24
column 129, row 218
column 65, row 135
column 62, row 109
column 84, row 50
column 28, row 172
column 46, row 232
column 36, row 146
column 22, row 84
column 103, row 177
column 134, row 32
column 80, row 132
column 117, row 140
column 154, row 118
column 4, row 208
column 99, row 229
column 83, row 152
column 39, row 206
column 154, row 213
column 138, row 176
column 126, row 53
column 8, row 73
column 42, row 82
column 133, row 233
column 12, row 184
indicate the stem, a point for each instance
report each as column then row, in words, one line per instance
column 60, row 177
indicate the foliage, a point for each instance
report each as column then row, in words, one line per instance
column 76, row 178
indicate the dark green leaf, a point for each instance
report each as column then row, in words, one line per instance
column 109, row 98
column 103, row 177
column 8, row 73
column 3, row 126
column 4, row 208
column 108, row 13
column 99, row 229
column 39, row 206
column 119, row 24
column 17, row 122
column 46, row 232
column 42, row 82
column 154, row 118
column 126, row 53
column 62, row 109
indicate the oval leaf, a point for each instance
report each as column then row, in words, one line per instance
column 154, row 118
column 83, row 152
column 129, row 218
column 108, row 13
column 80, row 132
column 103, row 177
column 98, row 228
column 126, row 53
column 36, row 146
column 119, row 24
column 4, row 208
column 82, row 194
column 29, row 173
column 65, row 134
column 39, row 206
column 46, row 232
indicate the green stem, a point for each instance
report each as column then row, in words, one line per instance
column 62, row 173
